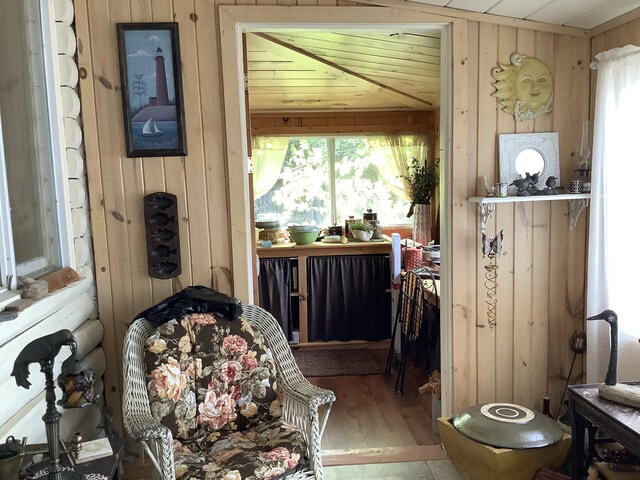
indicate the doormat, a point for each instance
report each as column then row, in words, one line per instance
column 336, row 363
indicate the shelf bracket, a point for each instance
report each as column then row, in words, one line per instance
column 486, row 209
column 575, row 208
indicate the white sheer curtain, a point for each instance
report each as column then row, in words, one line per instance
column 268, row 156
column 403, row 148
column 614, row 231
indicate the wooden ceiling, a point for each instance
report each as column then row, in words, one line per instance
column 334, row 70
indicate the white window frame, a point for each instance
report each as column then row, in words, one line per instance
column 8, row 268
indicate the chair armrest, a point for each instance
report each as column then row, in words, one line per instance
column 305, row 392
column 143, row 427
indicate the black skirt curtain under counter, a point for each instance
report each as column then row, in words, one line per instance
column 349, row 298
column 274, row 289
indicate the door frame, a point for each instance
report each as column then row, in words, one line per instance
column 236, row 20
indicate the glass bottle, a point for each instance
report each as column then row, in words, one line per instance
column 583, row 153
column 545, row 407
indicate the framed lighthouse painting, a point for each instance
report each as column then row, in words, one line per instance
column 151, row 79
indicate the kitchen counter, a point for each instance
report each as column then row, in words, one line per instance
column 319, row 248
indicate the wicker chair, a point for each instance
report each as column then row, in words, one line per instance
column 301, row 400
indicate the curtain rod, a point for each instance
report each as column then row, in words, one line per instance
column 629, row 51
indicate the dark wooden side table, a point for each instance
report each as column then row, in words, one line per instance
column 590, row 412
column 109, row 468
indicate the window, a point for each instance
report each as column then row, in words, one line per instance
column 613, row 232
column 324, row 180
column 30, row 145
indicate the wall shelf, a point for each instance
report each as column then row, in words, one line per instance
column 577, row 203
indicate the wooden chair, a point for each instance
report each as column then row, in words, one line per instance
column 301, row 404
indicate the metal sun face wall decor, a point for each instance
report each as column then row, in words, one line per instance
column 524, row 88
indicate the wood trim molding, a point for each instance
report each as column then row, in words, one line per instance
column 615, row 22
column 265, row 18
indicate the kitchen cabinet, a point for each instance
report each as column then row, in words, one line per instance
column 320, row 301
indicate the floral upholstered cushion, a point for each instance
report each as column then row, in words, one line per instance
column 266, row 452
column 207, row 372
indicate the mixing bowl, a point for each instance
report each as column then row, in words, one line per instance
column 304, row 237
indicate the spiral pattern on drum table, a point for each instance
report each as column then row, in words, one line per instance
column 491, row 284
column 507, row 412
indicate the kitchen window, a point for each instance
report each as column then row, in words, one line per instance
column 31, row 145
column 325, row 179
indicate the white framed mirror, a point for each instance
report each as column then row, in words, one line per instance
column 532, row 153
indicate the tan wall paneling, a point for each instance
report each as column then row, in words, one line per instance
column 290, row 123
column 541, row 284
column 504, row 220
column 463, row 331
column 485, row 165
column 117, row 184
column 541, row 273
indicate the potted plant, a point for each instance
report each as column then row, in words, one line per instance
column 421, row 181
column 361, row 230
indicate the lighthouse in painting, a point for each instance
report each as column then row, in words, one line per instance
column 159, row 108
column 162, row 95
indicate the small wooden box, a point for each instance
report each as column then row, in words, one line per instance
column 477, row 461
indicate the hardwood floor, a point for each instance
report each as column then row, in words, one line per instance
column 432, row 470
column 369, row 417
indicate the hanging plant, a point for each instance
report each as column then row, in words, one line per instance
column 423, row 180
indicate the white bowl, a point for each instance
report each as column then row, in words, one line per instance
column 362, row 235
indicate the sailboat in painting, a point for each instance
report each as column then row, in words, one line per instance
column 150, row 129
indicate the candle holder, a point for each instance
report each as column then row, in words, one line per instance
column 75, row 379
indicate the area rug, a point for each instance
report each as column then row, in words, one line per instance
column 336, row 363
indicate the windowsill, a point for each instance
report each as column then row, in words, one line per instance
column 7, row 297
column 41, row 309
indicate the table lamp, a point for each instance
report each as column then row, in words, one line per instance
column 75, row 379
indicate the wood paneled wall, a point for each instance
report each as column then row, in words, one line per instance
column 541, row 275
column 297, row 123
column 625, row 34
column 117, row 184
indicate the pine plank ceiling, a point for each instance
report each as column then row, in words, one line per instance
column 305, row 70
column 354, row 70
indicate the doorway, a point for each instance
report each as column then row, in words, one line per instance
column 238, row 20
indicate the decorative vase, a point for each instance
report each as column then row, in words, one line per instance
column 422, row 223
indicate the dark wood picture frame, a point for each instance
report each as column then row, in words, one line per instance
column 151, row 84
